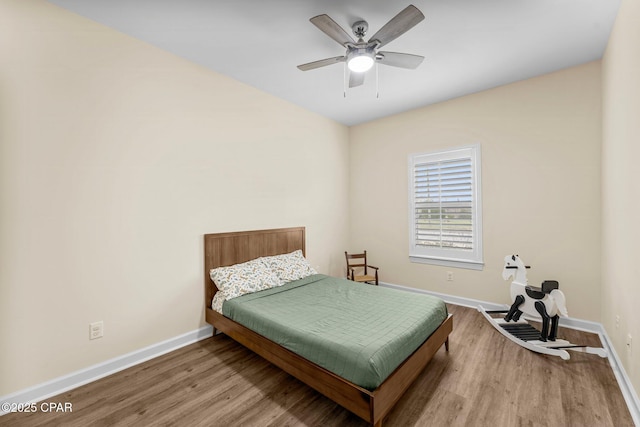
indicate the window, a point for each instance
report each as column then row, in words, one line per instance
column 445, row 208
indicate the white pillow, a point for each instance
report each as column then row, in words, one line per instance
column 289, row 267
column 245, row 278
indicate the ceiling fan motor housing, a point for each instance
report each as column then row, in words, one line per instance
column 360, row 28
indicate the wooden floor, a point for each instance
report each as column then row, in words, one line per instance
column 484, row 380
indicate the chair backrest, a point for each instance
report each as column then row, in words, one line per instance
column 350, row 264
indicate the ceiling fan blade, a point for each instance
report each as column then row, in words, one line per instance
column 321, row 63
column 402, row 60
column 356, row 79
column 332, row 29
column 398, row 25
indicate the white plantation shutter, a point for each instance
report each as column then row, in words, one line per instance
column 444, row 210
column 443, row 204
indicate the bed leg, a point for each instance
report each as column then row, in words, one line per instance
column 446, row 344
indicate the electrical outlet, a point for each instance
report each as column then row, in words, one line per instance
column 449, row 276
column 96, row 330
column 617, row 321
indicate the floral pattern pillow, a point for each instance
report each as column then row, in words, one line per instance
column 288, row 267
column 217, row 301
column 240, row 279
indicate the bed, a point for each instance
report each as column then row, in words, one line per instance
column 372, row 405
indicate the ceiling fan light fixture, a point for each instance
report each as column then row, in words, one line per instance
column 360, row 60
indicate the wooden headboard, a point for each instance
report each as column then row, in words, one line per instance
column 224, row 249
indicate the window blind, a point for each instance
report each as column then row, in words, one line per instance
column 444, row 204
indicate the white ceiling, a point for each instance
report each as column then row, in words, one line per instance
column 468, row 45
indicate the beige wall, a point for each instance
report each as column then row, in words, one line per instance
column 540, row 142
column 115, row 159
column 621, row 187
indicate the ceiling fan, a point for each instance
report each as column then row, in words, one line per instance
column 360, row 55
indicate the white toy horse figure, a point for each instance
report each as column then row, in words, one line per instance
column 546, row 303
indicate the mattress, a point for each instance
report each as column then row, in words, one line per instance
column 360, row 332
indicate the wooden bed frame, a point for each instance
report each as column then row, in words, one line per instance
column 226, row 249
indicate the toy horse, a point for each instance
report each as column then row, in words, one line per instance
column 546, row 303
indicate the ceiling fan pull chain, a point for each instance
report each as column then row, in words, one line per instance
column 344, row 81
column 377, row 83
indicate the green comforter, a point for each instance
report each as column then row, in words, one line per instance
column 357, row 331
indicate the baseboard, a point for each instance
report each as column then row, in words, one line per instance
column 84, row 376
column 628, row 392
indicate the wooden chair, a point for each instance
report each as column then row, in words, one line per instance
column 365, row 277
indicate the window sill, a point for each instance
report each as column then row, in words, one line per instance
column 469, row 265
